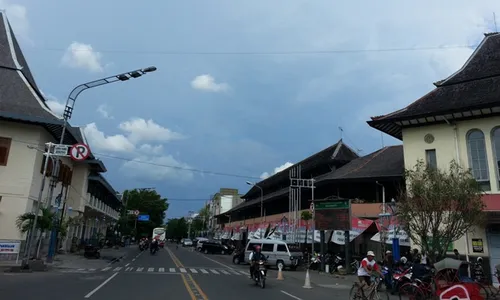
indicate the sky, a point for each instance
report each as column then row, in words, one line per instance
column 243, row 88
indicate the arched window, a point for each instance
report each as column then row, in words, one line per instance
column 478, row 160
column 495, row 140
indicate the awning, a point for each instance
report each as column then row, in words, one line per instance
column 358, row 226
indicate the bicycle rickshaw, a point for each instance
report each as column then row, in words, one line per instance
column 453, row 283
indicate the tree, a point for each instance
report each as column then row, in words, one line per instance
column 306, row 216
column 176, row 228
column 439, row 207
column 44, row 223
column 148, row 202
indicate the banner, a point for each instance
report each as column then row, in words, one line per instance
column 226, row 233
column 236, row 233
column 358, row 226
column 252, row 229
column 404, row 239
column 261, row 231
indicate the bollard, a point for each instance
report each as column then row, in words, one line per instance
column 327, row 269
column 307, row 284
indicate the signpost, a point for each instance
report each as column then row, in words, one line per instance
column 79, row 152
column 143, row 218
column 60, row 150
column 10, row 247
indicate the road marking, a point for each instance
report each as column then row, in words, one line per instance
column 214, row 271
column 129, row 269
column 193, row 271
column 219, row 263
column 183, row 270
column 161, row 270
column 151, row 269
column 92, row 270
column 192, row 287
column 133, row 259
column 117, row 269
column 106, row 269
column 139, row 269
column 292, row 296
column 243, row 272
column 80, row 269
column 172, row 270
column 127, row 265
column 204, row 271
column 100, row 286
column 234, row 272
column 224, row 272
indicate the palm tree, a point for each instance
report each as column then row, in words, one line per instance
column 44, row 222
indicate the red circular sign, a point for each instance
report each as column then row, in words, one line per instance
column 79, row 152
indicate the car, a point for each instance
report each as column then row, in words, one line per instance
column 214, row 247
column 200, row 243
column 162, row 244
column 239, row 257
column 187, row 243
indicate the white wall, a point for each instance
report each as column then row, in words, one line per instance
column 226, row 203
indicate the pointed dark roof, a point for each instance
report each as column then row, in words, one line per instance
column 384, row 163
column 338, row 152
column 20, row 98
column 471, row 92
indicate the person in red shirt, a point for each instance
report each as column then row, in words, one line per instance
column 367, row 267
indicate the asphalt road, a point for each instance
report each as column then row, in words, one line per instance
column 173, row 273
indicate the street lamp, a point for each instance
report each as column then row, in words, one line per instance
column 68, row 111
column 261, row 198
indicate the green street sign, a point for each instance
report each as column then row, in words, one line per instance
column 343, row 204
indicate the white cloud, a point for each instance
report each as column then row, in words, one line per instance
column 98, row 140
column 103, row 111
column 18, row 19
column 206, row 82
column 82, row 56
column 276, row 170
column 150, row 149
column 157, row 168
column 141, row 130
column 54, row 105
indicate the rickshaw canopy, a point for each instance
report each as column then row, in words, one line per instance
column 449, row 263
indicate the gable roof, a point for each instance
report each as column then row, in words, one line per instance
column 472, row 91
column 338, row 152
column 383, row 163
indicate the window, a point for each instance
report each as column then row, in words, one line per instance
column 251, row 246
column 267, row 247
column 430, row 158
column 495, row 140
column 281, row 248
column 478, row 161
column 4, row 150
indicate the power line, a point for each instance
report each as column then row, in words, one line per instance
column 194, row 170
column 278, row 52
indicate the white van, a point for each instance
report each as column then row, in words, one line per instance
column 280, row 253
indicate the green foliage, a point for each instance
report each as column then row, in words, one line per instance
column 439, row 207
column 24, row 222
column 177, row 228
column 147, row 202
column 306, row 215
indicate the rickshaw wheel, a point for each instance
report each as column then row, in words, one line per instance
column 411, row 292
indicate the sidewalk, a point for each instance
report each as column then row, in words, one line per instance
column 320, row 279
column 77, row 261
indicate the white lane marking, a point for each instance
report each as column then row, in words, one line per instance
column 219, row 263
column 171, row 270
column 193, row 271
column 127, row 265
column 106, row 269
column 151, row 269
column 129, row 269
column 100, row 286
column 161, row 270
column 224, row 272
column 133, row 259
column 204, row 271
column 183, row 270
column 214, row 271
column 139, row 269
column 243, row 272
column 92, row 270
column 80, row 269
column 117, row 269
column 292, row 296
column 234, row 272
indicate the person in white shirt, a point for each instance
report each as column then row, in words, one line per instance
column 367, row 267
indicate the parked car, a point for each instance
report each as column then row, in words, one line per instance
column 187, row 243
column 239, row 257
column 279, row 253
column 200, row 243
column 214, row 247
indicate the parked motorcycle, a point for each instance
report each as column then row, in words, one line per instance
column 400, row 277
column 260, row 274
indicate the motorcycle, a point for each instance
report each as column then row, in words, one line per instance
column 260, row 273
column 399, row 278
column 315, row 262
column 153, row 250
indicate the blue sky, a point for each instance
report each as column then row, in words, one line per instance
column 242, row 87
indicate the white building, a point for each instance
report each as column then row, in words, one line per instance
column 25, row 119
column 222, row 202
column 460, row 120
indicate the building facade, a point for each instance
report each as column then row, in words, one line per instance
column 222, row 202
column 460, row 120
column 26, row 125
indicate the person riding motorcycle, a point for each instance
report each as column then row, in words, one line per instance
column 255, row 256
column 154, row 245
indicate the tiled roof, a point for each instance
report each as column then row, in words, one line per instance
column 386, row 162
column 475, row 86
column 337, row 152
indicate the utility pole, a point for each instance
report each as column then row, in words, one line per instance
column 297, row 183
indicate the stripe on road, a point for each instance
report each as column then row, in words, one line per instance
column 183, row 270
column 224, row 272
column 234, row 272
column 106, row 269
column 117, row 269
column 129, row 269
column 172, row 270
column 139, row 269
column 244, row 273
column 193, row 270
column 151, row 269
column 214, row 271
column 204, row 271
column 161, row 270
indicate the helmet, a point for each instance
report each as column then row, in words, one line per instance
column 370, row 253
column 479, row 259
column 388, row 252
column 404, row 260
column 257, row 248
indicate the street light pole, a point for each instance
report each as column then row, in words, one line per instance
column 68, row 111
column 261, row 199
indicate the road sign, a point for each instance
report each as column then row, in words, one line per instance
column 136, row 212
column 61, row 150
column 333, row 205
column 79, row 152
column 334, row 215
column 143, row 218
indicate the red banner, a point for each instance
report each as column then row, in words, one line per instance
column 360, row 225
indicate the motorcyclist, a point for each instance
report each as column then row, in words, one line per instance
column 255, row 256
column 154, row 245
